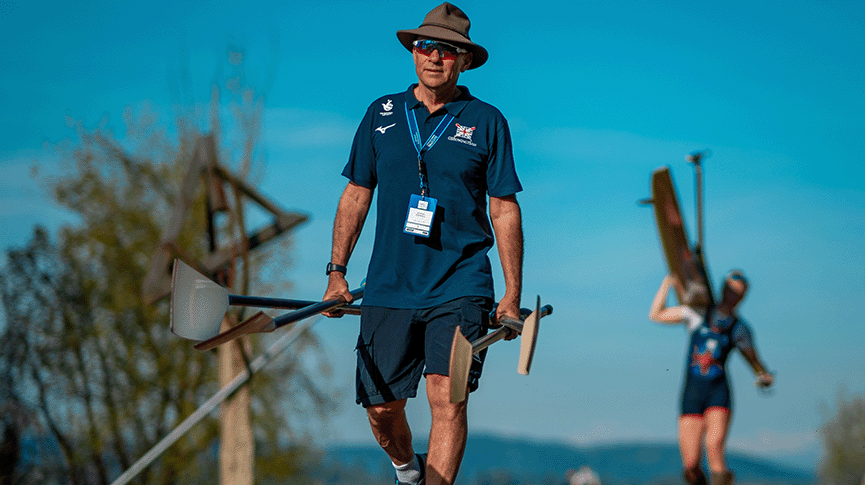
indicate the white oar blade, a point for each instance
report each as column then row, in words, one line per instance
column 197, row 303
column 460, row 365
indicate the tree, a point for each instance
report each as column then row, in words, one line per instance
column 94, row 366
column 843, row 460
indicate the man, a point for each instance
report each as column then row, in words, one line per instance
column 434, row 152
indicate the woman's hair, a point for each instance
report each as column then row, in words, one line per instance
column 735, row 275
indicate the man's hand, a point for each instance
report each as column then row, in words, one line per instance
column 507, row 307
column 337, row 288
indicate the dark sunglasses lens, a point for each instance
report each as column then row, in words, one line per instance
column 426, row 47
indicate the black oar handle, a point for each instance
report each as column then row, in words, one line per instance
column 313, row 309
column 524, row 312
column 283, row 303
column 517, row 325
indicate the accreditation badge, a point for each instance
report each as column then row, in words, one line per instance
column 419, row 218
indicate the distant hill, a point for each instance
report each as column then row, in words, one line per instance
column 491, row 460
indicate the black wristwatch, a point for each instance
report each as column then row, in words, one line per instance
column 331, row 267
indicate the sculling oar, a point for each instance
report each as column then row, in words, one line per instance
column 696, row 158
column 463, row 351
column 198, row 304
column 261, row 323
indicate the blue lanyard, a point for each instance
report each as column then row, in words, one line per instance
column 411, row 118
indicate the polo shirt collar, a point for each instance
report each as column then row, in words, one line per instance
column 454, row 107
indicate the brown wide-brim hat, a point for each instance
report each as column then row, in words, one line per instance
column 450, row 24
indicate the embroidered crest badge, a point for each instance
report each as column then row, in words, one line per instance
column 464, row 132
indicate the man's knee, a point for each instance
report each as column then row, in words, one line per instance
column 386, row 412
column 439, row 390
column 694, row 475
column 439, row 396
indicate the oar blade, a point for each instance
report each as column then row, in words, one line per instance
column 197, row 303
column 460, row 365
column 258, row 323
column 528, row 339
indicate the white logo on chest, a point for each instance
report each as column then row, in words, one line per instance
column 382, row 129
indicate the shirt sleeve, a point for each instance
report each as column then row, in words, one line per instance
column 742, row 337
column 361, row 168
column 693, row 318
column 502, row 177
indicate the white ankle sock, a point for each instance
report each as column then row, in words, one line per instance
column 408, row 473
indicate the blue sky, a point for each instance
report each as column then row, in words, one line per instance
column 598, row 94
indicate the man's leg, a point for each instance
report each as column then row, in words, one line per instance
column 391, row 430
column 448, row 432
column 389, row 368
column 449, row 427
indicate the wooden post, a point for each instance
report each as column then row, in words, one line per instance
column 237, row 446
column 236, row 443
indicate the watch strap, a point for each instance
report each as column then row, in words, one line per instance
column 331, row 267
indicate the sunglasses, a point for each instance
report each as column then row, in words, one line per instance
column 736, row 275
column 446, row 51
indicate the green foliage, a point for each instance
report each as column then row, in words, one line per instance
column 94, row 374
column 96, row 364
column 843, row 460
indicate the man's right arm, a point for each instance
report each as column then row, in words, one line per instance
column 350, row 216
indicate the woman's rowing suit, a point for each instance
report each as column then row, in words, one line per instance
column 712, row 340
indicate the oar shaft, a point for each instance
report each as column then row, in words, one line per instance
column 313, row 309
column 489, row 339
column 283, row 303
column 699, row 176
column 508, row 324
column 266, row 302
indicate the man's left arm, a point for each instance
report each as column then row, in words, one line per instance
column 507, row 221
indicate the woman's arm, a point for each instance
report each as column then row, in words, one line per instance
column 764, row 378
column 659, row 312
column 745, row 343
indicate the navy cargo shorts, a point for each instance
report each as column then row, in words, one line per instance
column 397, row 346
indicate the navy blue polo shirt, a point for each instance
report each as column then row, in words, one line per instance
column 472, row 159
